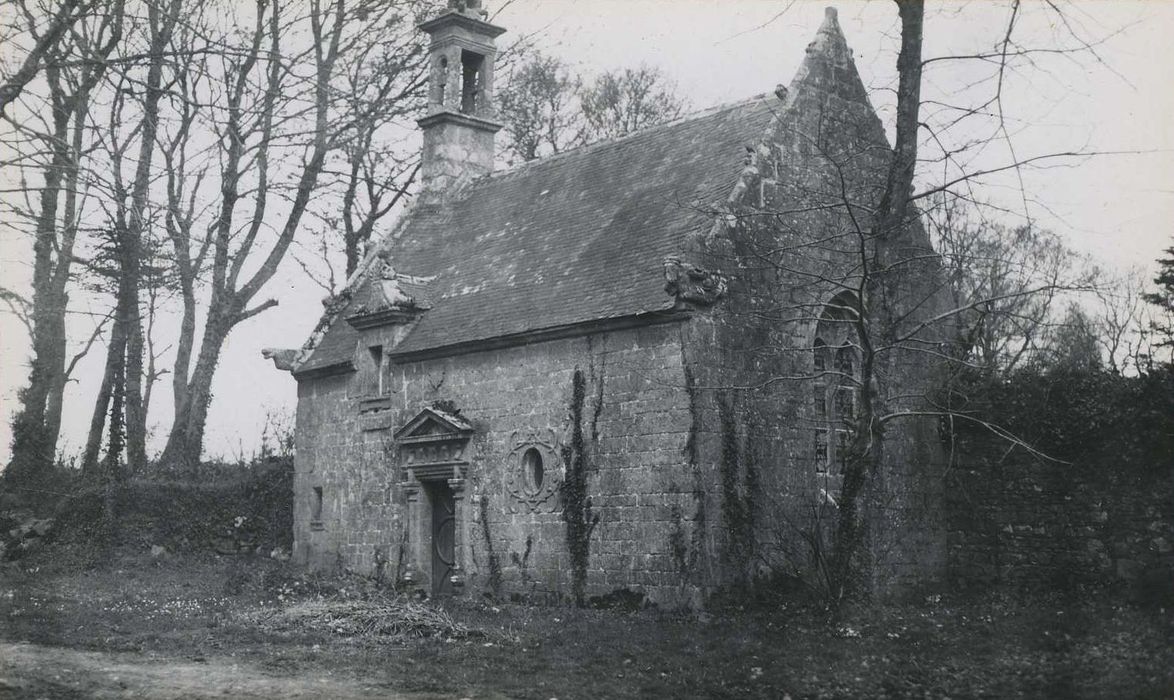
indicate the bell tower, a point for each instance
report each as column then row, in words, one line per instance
column 459, row 127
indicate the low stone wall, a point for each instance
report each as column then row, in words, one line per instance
column 1017, row 519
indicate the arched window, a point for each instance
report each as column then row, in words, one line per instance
column 836, row 388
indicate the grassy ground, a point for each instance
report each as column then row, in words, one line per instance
column 232, row 615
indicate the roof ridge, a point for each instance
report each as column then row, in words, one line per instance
column 586, row 148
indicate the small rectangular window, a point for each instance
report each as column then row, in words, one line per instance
column 316, row 512
column 376, row 386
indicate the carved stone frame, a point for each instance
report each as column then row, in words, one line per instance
column 433, row 447
column 546, row 498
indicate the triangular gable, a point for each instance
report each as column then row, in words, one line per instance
column 431, row 424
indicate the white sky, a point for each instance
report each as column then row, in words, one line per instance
column 1116, row 208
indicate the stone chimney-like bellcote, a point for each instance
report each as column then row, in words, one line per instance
column 459, row 127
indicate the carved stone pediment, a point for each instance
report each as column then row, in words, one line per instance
column 434, row 445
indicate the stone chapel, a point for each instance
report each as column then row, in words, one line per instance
column 625, row 367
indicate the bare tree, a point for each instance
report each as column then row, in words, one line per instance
column 215, row 139
column 619, row 102
column 55, row 217
column 1017, row 272
column 1118, row 319
column 45, row 42
column 548, row 108
column 332, row 91
column 539, row 107
column 376, row 171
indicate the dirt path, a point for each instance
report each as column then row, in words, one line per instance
column 34, row 671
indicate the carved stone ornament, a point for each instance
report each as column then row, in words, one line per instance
column 434, row 445
column 534, row 471
column 472, row 8
column 692, row 284
column 286, row 359
column 391, row 300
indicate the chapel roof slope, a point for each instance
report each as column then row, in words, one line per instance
column 580, row 236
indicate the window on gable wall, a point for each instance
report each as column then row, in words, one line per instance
column 836, row 363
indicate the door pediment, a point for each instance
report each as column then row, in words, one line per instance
column 434, row 445
column 433, row 423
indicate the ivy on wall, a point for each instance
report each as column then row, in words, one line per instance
column 577, row 511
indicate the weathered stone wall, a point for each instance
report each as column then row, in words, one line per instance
column 795, row 233
column 1020, row 520
column 636, row 423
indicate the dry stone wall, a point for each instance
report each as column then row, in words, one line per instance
column 1019, row 520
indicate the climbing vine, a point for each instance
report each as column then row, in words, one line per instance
column 577, row 512
column 737, row 510
column 494, row 563
column 686, row 556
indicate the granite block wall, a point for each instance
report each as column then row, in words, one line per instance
column 636, row 422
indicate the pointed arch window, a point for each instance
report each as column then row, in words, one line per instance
column 836, row 389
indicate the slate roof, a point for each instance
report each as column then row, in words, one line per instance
column 582, row 236
column 577, row 237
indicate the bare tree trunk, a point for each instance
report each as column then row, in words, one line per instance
column 32, row 450
column 101, row 406
column 228, row 304
column 186, row 440
column 38, row 425
column 162, row 25
column 894, row 204
column 61, row 272
column 874, row 320
column 112, row 471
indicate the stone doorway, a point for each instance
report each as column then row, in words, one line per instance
column 443, row 537
column 432, row 452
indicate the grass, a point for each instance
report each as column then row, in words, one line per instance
column 265, row 612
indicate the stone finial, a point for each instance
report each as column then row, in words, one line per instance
column 471, row 8
column 781, row 92
column 829, row 41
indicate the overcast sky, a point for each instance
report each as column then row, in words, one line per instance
column 1115, row 208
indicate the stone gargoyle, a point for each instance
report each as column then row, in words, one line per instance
column 692, row 284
